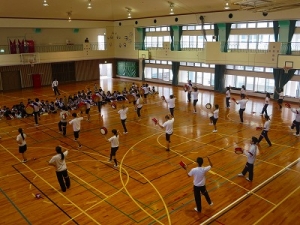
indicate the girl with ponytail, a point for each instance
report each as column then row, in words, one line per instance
column 114, row 141
column 59, row 162
column 22, row 144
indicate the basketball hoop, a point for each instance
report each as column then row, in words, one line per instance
column 286, row 69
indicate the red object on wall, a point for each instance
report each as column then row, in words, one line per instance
column 30, row 46
column 37, row 81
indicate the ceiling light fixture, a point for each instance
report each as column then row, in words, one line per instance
column 171, row 8
column 128, row 12
column 45, row 3
column 89, row 4
column 226, row 5
column 69, row 16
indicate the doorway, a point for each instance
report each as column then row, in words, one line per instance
column 105, row 70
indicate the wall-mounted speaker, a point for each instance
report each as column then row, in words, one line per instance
column 201, row 18
column 37, row 30
column 154, row 20
column 120, row 24
column 76, row 30
column 136, row 22
column 265, row 13
column 176, row 19
column 230, row 15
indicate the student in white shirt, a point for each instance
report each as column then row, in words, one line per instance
column 114, row 141
column 168, row 125
column 76, row 123
column 55, row 87
column 264, row 133
column 171, row 104
column 22, row 144
column 267, row 99
column 296, row 122
column 123, row 116
column 139, row 105
column 242, row 103
column 228, row 97
column 251, row 156
column 59, row 162
column 62, row 124
column 146, row 92
column 194, row 95
column 199, row 182
column 243, row 90
column 189, row 90
column 281, row 97
column 214, row 118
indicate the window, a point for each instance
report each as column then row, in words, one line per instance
column 292, row 89
column 199, row 78
column 250, row 83
column 207, row 79
column 192, row 76
column 262, row 25
column 101, row 42
column 240, row 80
column 260, row 84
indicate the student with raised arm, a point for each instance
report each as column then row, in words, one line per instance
column 168, row 125
column 199, row 175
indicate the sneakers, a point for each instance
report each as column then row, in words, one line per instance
column 240, row 175
column 125, row 132
column 24, row 161
column 211, row 204
column 214, row 131
column 116, row 166
column 79, row 146
column 196, row 209
column 210, row 124
column 297, row 134
column 195, row 112
column 247, row 178
column 109, row 161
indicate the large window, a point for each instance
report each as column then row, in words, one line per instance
column 101, row 42
column 158, row 74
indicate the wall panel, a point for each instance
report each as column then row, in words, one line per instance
column 87, row 70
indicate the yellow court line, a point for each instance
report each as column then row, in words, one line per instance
column 121, row 165
column 88, row 184
column 14, row 174
column 271, row 210
column 164, row 203
column 69, row 200
column 91, row 207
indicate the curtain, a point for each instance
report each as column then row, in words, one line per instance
column 143, row 38
column 172, row 38
column 175, row 71
column 290, row 36
column 143, row 68
column 276, row 30
column 219, row 78
column 281, row 78
column 228, row 29
column 216, row 31
column 179, row 37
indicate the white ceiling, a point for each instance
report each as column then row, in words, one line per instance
column 113, row 10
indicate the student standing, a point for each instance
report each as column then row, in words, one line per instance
column 243, row 90
column 198, row 174
column 251, row 156
column 228, row 97
column 36, row 111
column 139, row 105
column 296, row 122
column 76, row 123
column 194, row 95
column 123, row 116
column 59, row 162
column 114, row 141
column 281, row 97
column 62, row 125
column 264, row 133
column 22, row 144
column 171, row 104
column 168, row 125
column 55, row 87
column 214, row 118
column 189, row 90
column 267, row 99
column 242, row 103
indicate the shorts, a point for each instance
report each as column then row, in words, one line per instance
column 113, row 150
column 76, row 134
column 214, row 120
column 87, row 111
column 280, row 101
column 168, row 137
column 145, row 95
column 195, row 102
column 22, row 148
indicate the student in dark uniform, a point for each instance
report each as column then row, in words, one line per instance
column 264, row 133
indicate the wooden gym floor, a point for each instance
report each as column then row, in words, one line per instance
column 149, row 187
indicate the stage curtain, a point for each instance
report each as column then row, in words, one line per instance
column 172, row 38
column 281, row 78
column 276, row 30
column 216, row 31
column 290, row 36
